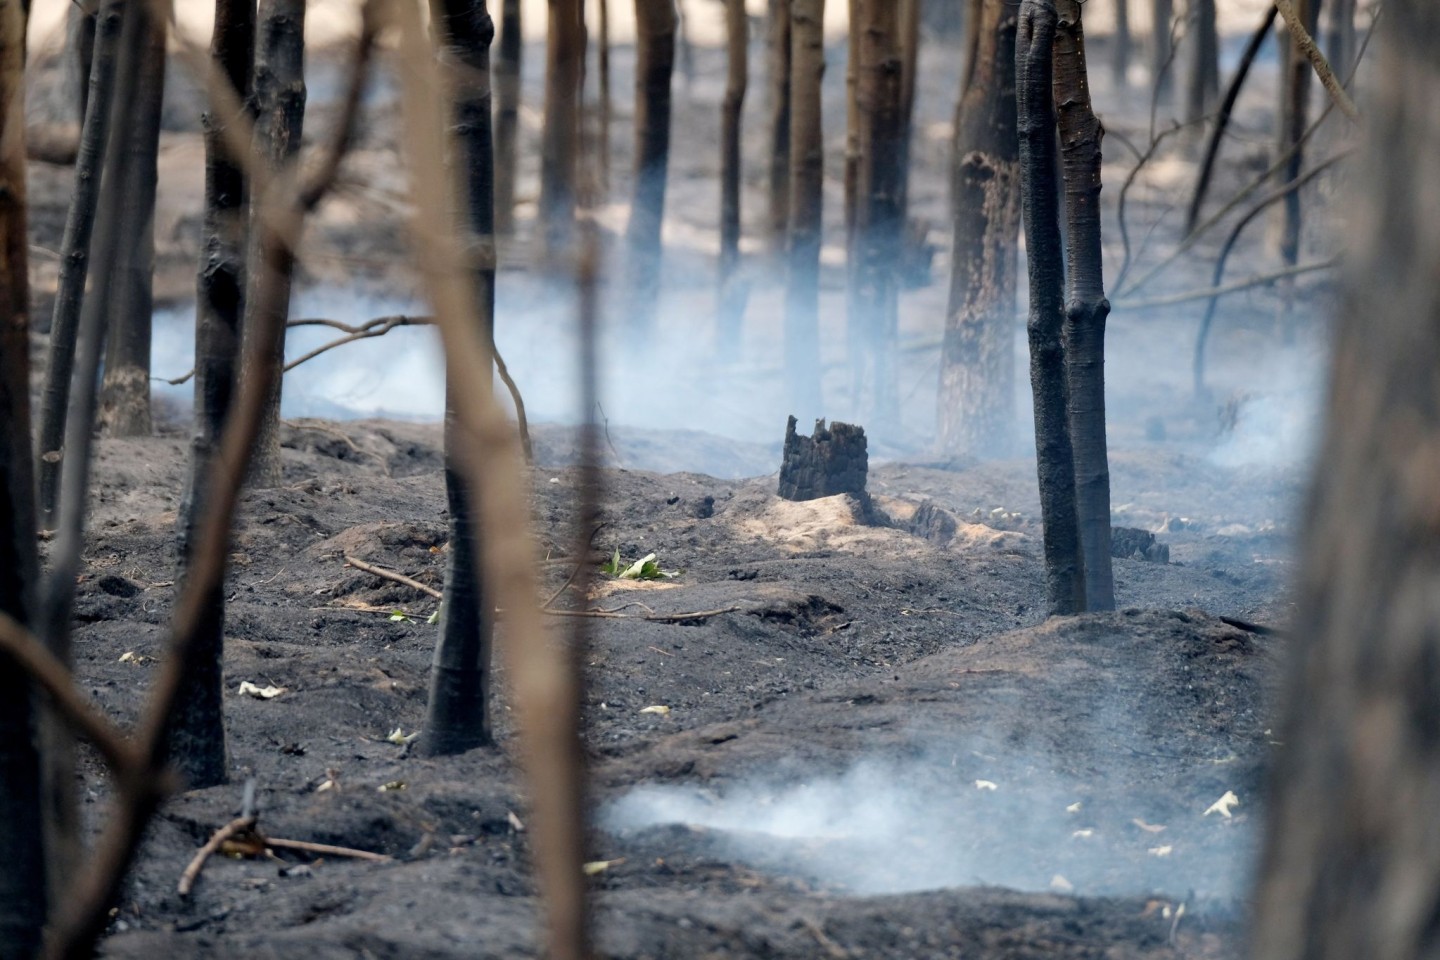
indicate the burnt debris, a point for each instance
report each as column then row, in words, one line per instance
column 831, row 462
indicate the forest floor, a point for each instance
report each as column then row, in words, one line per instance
column 879, row 749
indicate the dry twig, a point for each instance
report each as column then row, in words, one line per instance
column 392, row 575
column 197, row 863
column 1306, row 43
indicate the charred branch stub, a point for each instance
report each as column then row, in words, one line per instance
column 833, row 461
column 1132, row 543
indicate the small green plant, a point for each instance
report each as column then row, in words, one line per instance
column 646, row 568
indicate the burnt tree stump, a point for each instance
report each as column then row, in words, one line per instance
column 832, row 461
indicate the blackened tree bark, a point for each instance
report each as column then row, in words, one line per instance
column 1086, row 308
column 75, row 259
column 910, row 17
column 509, row 61
column 806, row 196
column 879, row 219
column 125, row 393
column 197, row 733
column 976, row 413
column 1360, row 724
column 22, row 881
column 1162, row 13
column 1202, row 60
column 1040, row 209
column 1120, row 55
column 602, row 67
column 655, row 24
column 564, row 61
column 778, row 25
column 458, row 718
column 731, row 294
column 60, row 803
column 279, row 85
column 80, row 29
column 1294, row 119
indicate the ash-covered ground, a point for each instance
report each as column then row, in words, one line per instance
column 880, row 750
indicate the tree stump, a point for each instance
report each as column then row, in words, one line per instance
column 832, row 461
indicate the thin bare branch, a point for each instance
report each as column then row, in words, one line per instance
column 1261, row 280
column 1302, row 39
column 391, row 575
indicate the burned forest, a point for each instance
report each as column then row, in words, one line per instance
column 719, row 478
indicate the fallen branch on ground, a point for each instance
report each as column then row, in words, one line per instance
column 391, row 575
column 197, row 863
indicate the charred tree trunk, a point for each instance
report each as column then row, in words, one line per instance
column 655, row 24
column 564, row 60
column 75, row 260
column 197, row 733
column 779, row 62
column 1086, row 308
column 61, row 811
column 1120, row 55
column 1340, row 35
column 731, row 292
column 279, row 84
column 80, row 27
column 879, row 220
column 852, row 139
column 1040, row 207
column 977, row 367
column 22, row 881
column 910, row 16
column 1294, row 119
column 125, row 394
column 509, row 61
column 807, row 177
column 1202, row 61
column 459, row 711
column 1360, row 723
column 1162, row 52
column 602, row 67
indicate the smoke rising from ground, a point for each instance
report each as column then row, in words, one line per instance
column 957, row 817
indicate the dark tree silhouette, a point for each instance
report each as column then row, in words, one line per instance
column 655, row 24
column 731, row 293
column 1086, row 308
column 75, row 259
column 1040, row 208
column 197, row 734
column 125, row 394
column 806, row 197
column 509, row 61
column 458, row 718
column 1296, row 74
column 62, row 822
column 564, row 60
column 778, row 39
column 22, row 881
column 279, row 91
column 976, row 411
column 879, row 221
column 1360, row 725
column 80, row 40
column 1202, row 60
column 602, row 67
